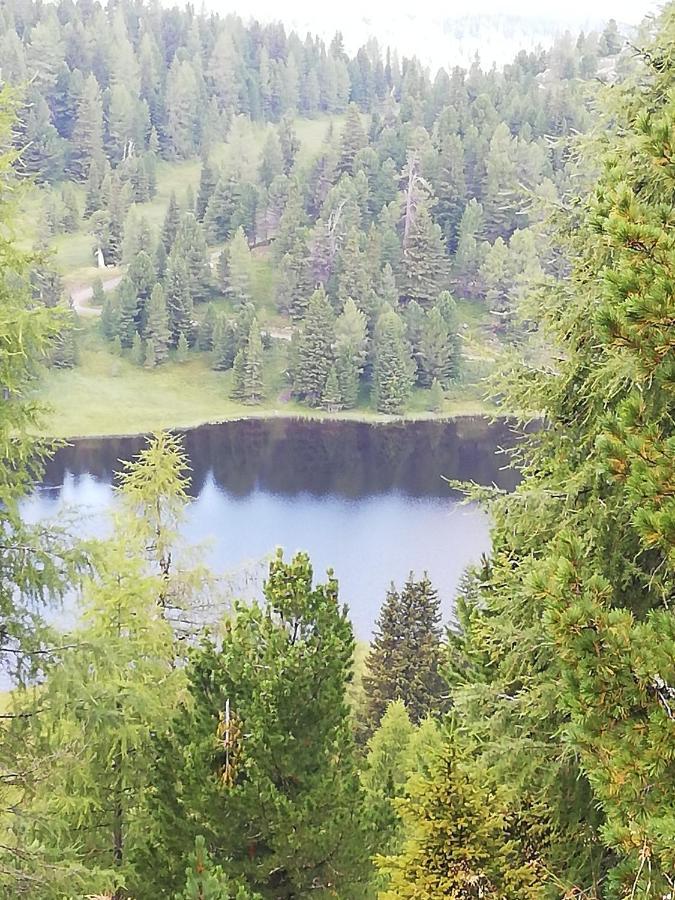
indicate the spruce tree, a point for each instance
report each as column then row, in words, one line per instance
column 238, row 388
column 87, row 138
column 468, row 257
column 394, row 369
column 190, row 247
column 207, row 184
column 225, row 342
column 221, row 210
column 178, row 299
column 239, row 269
column 171, row 223
column 253, row 379
column 457, row 842
column 437, row 351
column 128, row 320
column 436, row 397
column 451, row 190
column 406, row 656
column 157, row 330
column 424, row 266
column 350, row 352
column 315, row 350
column 352, row 140
column 288, row 143
column 207, row 327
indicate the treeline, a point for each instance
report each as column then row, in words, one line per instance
column 438, row 191
column 430, row 186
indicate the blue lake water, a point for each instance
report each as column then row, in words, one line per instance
column 369, row 501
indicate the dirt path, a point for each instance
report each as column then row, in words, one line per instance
column 80, row 297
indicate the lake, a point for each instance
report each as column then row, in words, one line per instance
column 370, row 501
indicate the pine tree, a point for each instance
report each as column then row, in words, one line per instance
column 406, row 656
column 207, row 328
column 262, row 754
column 424, row 266
column 87, row 138
column 315, row 350
column 438, row 351
column 239, row 269
column 204, row 881
column 157, row 332
column 171, row 223
column 253, row 379
column 457, row 843
column 190, row 247
column 350, row 352
column 178, row 299
column 353, row 139
column 393, row 371
column 288, row 143
column 207, row 185
column 238, row 389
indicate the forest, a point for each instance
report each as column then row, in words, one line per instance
column 293, row 228
column 170, row 741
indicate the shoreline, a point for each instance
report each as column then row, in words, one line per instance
column 373, row 419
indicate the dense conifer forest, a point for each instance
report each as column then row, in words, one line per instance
column 298, row 226
column 172, row 742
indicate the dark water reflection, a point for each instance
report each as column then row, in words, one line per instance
column 370, row 501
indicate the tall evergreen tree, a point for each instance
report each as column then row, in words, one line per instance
column 262, row 754
column 315, row 350
column 394, row 369
column 350, row 352
column 424, row 266
column 178, row 299
column 207, row 185
column 253, row 381
column 439, row 351
column 406, row 657
column 190, row 247
column 353, row 139
column 157, row 325
column 171, row 224
column 87, row 139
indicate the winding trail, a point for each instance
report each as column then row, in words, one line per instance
column 81, row 296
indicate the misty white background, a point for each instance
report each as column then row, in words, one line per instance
column 441, row 32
